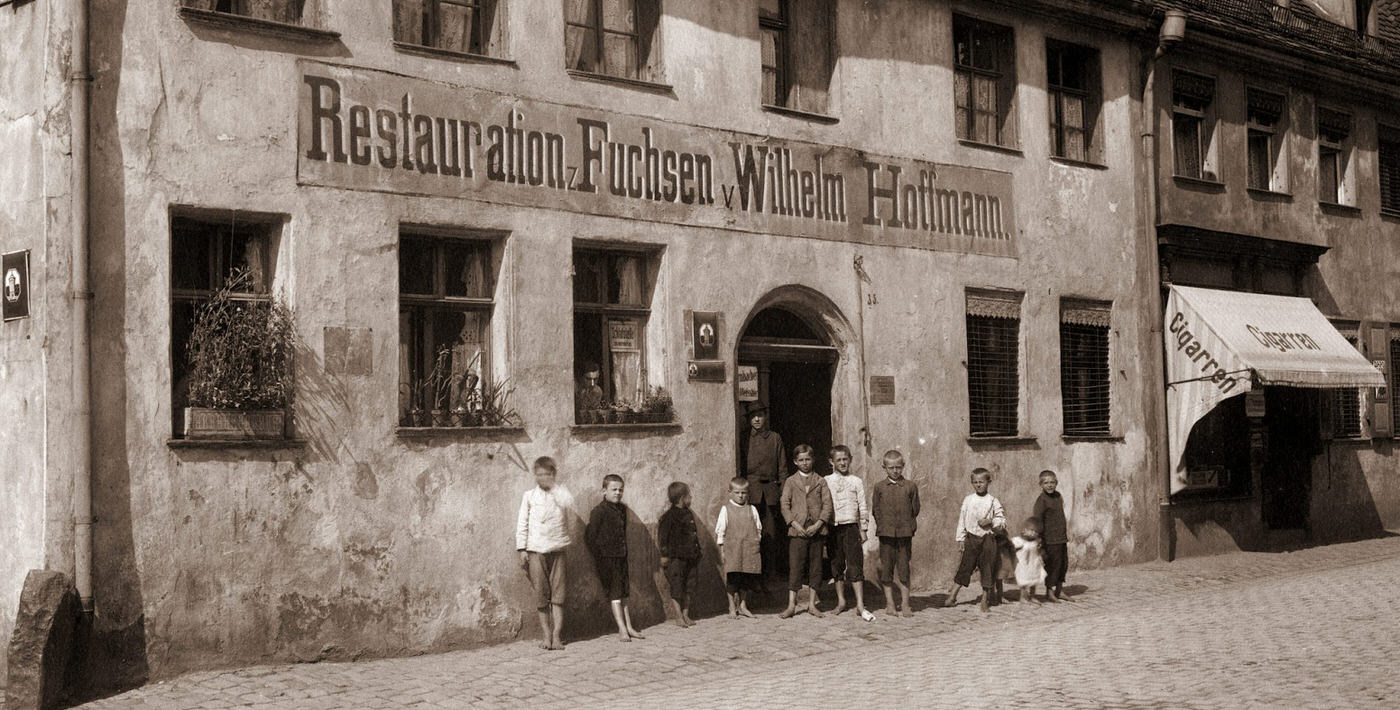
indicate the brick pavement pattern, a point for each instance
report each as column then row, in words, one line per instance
column 1316, row 628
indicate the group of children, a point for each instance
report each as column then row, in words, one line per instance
column 823, row 515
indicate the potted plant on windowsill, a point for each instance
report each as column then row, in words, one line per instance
column 240, row 357
column 657, row 406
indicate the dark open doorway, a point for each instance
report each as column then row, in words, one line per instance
column 796, row 363
column 1291, row 423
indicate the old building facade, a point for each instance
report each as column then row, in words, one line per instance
column 1276, row 169
column 916, row 225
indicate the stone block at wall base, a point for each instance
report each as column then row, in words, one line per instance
column 42, row 643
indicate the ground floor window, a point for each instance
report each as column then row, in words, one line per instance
column 208, row 252
column 993, row 363
column 612, row 297
column 446, row 287
column 1085, row 384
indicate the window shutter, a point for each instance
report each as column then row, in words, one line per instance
column 1378, row 351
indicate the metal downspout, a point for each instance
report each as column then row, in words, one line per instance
column 79, row 83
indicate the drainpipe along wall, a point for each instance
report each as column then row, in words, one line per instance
column 1172, row 30
column 79, row 296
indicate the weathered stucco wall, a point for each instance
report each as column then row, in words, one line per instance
column 365, row 543
column 34, row 216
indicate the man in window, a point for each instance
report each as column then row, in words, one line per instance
column 765, row 466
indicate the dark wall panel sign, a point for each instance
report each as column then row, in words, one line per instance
column 706, row 371
column 705, row 334
column 881, row 389
column 15, row 293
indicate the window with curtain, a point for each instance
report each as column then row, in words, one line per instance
column 993, row 363
column 1192, row 125
column 446, row 289
column 612, row 296
column 461, row 26
column 795, row 42
column 612, row 37
column 984, row 81
column 206, row 253
column 1085, row 384
column 293, row 12
column 1333, row 144
column 1264, row 110
column 1388, row 165
column 1072, row 82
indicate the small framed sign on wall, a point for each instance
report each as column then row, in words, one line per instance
column 14, row 292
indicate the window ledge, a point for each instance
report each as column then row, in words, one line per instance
column 1389, row 213
column 1260, row 193
column 653, row 87
column 236, row 443
column 1009, row 150
column 459, row 432
column 799, row 113
column 241, row 23
column 1000, row 441
column 1340, row 209
column 1077, row 163
column 611, row 430
column 440, row 53
column 1093, row 437
column 1213, row 185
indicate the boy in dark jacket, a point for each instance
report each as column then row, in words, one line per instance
column 607, row 540
column 679, row 541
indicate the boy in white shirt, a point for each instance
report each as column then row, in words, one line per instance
column 851, row 517
column 541, row 536
column 981, row 516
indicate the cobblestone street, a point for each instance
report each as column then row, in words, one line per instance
column 1314, row 628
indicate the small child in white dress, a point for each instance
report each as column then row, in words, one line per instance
column 1030, row 566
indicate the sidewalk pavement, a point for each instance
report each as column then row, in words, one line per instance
column 1312, row 628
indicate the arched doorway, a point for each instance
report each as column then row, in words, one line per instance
column 796, row 364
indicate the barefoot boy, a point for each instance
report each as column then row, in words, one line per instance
column 895, row 506
column 1050, row 511
column 679, row 541
column 737, row 533
column 806, row 503
column 541, row 535
column 607, row 539
column 978, row 520
column 850, row 518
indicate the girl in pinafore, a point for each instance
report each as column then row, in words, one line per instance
column 737, row 533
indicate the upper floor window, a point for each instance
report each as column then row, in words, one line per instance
column 984, row 82
column 1265, row 140
column 1334, row 183
column 1193, row 126
column 795, row 43
column 462, row 26
column 993, row 363
column 613, row 37
column 1072, row 82
column 446, row 289
column 1388, row 160
column 292, row 12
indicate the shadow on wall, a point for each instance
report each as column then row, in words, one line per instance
column 116, row 656
column 1343, row 506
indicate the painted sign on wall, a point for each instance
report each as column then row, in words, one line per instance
column 14, row 292
column 366, row 129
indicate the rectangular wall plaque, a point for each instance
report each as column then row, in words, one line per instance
column 881, row 389
column 14, row 292
column 706, row 371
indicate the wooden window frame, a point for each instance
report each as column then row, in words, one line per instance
column 484, row 40
column 1184, row 109
column 1271, row 132
column 1090, row 97
column 643, row 37
column 1003, row 78
column 223, row 228
column 418, row 310
column 607, row 312
column 1388, row 153
column 779, row 26
column 1334, row 140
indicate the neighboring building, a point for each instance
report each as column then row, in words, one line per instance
column 1279, row 173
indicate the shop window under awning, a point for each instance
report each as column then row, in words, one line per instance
column 1220, row 343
